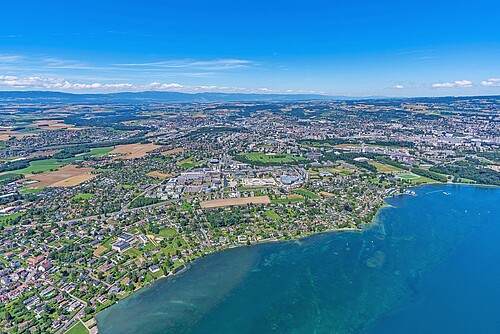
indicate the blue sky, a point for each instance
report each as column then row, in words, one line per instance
column 338, row 47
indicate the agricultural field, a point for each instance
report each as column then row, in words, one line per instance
column 98, row 152
column 173, row 151
column 133, row 151
column 6, row 176
column 66, row 176
column 158, row 175
column 40, row 166
column 7, row 133
column 235, row 201
column 53, row 124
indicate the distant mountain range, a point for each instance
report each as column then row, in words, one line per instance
column 155, row 96
column 158, row 97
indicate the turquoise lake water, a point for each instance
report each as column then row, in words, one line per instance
column 430, row 264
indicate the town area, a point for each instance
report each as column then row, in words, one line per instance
column 99, row 200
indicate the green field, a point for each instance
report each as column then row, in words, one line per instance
column 385, row 168
column 4, row 219
column 306, row 193
column 83, row 196
column 29, row 190
column 422, row 179
column 40, row 166
column 78, row 328
column 99, row 152
column 186, row 206
column 167, row 233
column 287, row 200
column 408, row 176
column 272, row 158
column 6, row 176
column 188, row 163
column 272, row 214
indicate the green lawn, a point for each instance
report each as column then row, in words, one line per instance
column 167, row 233
column 288, row 200
column 78, row 328
column 464, row 180
column 408, row 176
column 4, row 219
column 101, row 307
column 385, row 168
column 272, row 214
column 25, row 190
column 187, row 163
column 186, row 206
column 133, row 252
column 99, row 152
column 83, row 196
column 306, row 193
column 272, row 158
column 107, row 243
column 422, row 179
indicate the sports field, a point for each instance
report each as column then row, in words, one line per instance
column 408, row 176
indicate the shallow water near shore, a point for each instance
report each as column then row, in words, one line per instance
column 429, row 264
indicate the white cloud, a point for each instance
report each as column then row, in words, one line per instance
column 206, row 65
column 185, row 67
column 62, row 84
column 399, row 86
column 118, row 85
column 454, row 84
column 160, row 86
column 491, row 82
column 8, row 58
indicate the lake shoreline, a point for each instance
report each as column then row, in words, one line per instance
column 293, row 239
